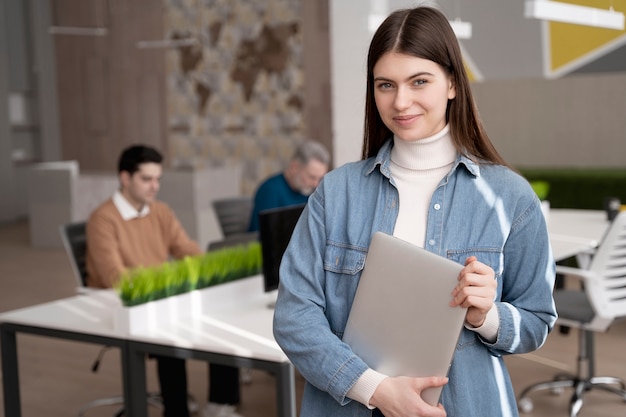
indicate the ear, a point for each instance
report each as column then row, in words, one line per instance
column 293, row 166
column 124, row 177
column 451, row 89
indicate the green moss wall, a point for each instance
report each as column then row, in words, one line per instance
column 584, row 188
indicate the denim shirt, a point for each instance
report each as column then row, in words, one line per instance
column 483, row 210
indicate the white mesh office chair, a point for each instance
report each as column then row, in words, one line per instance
column 600, row 302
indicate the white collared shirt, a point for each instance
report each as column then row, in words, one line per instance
column 127, row 211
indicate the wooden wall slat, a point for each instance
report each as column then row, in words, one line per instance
column 111, row 94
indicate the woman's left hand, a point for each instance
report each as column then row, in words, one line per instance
column 476, row 291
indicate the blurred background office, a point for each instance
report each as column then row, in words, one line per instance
column 226, row 88
column 235, row 83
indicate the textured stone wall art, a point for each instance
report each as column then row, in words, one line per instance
column 235, row 96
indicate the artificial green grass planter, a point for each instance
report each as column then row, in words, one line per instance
column 142, row 285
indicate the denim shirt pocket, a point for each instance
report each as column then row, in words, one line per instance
column 344, row 259
column 492, row 257
column 342, row 265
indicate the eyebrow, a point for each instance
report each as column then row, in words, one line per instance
column 410, row 77
column 148, row 176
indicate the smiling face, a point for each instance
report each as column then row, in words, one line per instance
column 411, row 95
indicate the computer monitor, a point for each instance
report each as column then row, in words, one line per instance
column 275, row 229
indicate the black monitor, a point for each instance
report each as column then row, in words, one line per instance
column 275, row 229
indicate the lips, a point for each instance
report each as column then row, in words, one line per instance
column 405, row 120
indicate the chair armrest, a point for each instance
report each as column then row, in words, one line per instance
column 583, row 275
column 592, row 284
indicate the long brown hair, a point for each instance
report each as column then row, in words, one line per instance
column 424, row 32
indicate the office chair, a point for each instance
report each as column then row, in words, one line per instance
column 233, row 240
column 600, row 302
column 74, row 239
column 233, row 214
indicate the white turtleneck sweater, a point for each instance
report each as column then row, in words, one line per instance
column 417, row 168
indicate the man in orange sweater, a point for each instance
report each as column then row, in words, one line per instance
column 133, row 229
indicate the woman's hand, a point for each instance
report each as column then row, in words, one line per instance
column 401, row 397
column 476, row 291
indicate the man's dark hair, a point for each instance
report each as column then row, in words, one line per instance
column 132, row 157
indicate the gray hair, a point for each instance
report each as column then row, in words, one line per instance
column 308, row 150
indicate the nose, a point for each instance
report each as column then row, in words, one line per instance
column 312, row 181
column 402, row 100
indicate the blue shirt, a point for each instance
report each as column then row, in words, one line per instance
column 273, row 193
column 483, row 210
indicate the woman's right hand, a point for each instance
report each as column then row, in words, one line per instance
column 401, row 397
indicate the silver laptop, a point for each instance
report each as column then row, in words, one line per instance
column 401, row 322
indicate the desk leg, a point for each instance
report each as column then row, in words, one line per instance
column 134, row 375
column 286, row 391
column 10, row 375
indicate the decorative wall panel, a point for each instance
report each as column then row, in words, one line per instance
column 236, row 94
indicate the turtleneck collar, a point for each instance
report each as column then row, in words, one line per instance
column 429, row 153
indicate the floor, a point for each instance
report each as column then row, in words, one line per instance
column 56, row 378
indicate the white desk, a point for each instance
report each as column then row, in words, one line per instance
column 236, row 330
column 573, row 232
column 81, row 318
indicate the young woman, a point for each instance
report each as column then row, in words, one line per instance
column 430, row 176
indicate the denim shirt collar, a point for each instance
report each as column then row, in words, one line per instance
column 383, row 159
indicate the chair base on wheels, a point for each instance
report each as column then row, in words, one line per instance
column 100, row 402
column 560, row 382
column 583, row 381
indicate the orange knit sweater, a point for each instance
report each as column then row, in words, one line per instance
column 114, row 245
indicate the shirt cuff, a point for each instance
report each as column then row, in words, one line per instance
column 365, row 386
column 489, row 329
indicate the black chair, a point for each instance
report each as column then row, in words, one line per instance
column 593, row 308
column 233, row 240
column 233, row 214
column 74, row 239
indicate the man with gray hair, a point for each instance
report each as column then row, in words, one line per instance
column 307, row 166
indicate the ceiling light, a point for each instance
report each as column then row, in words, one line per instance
column 462, row 30
column 573, row 13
